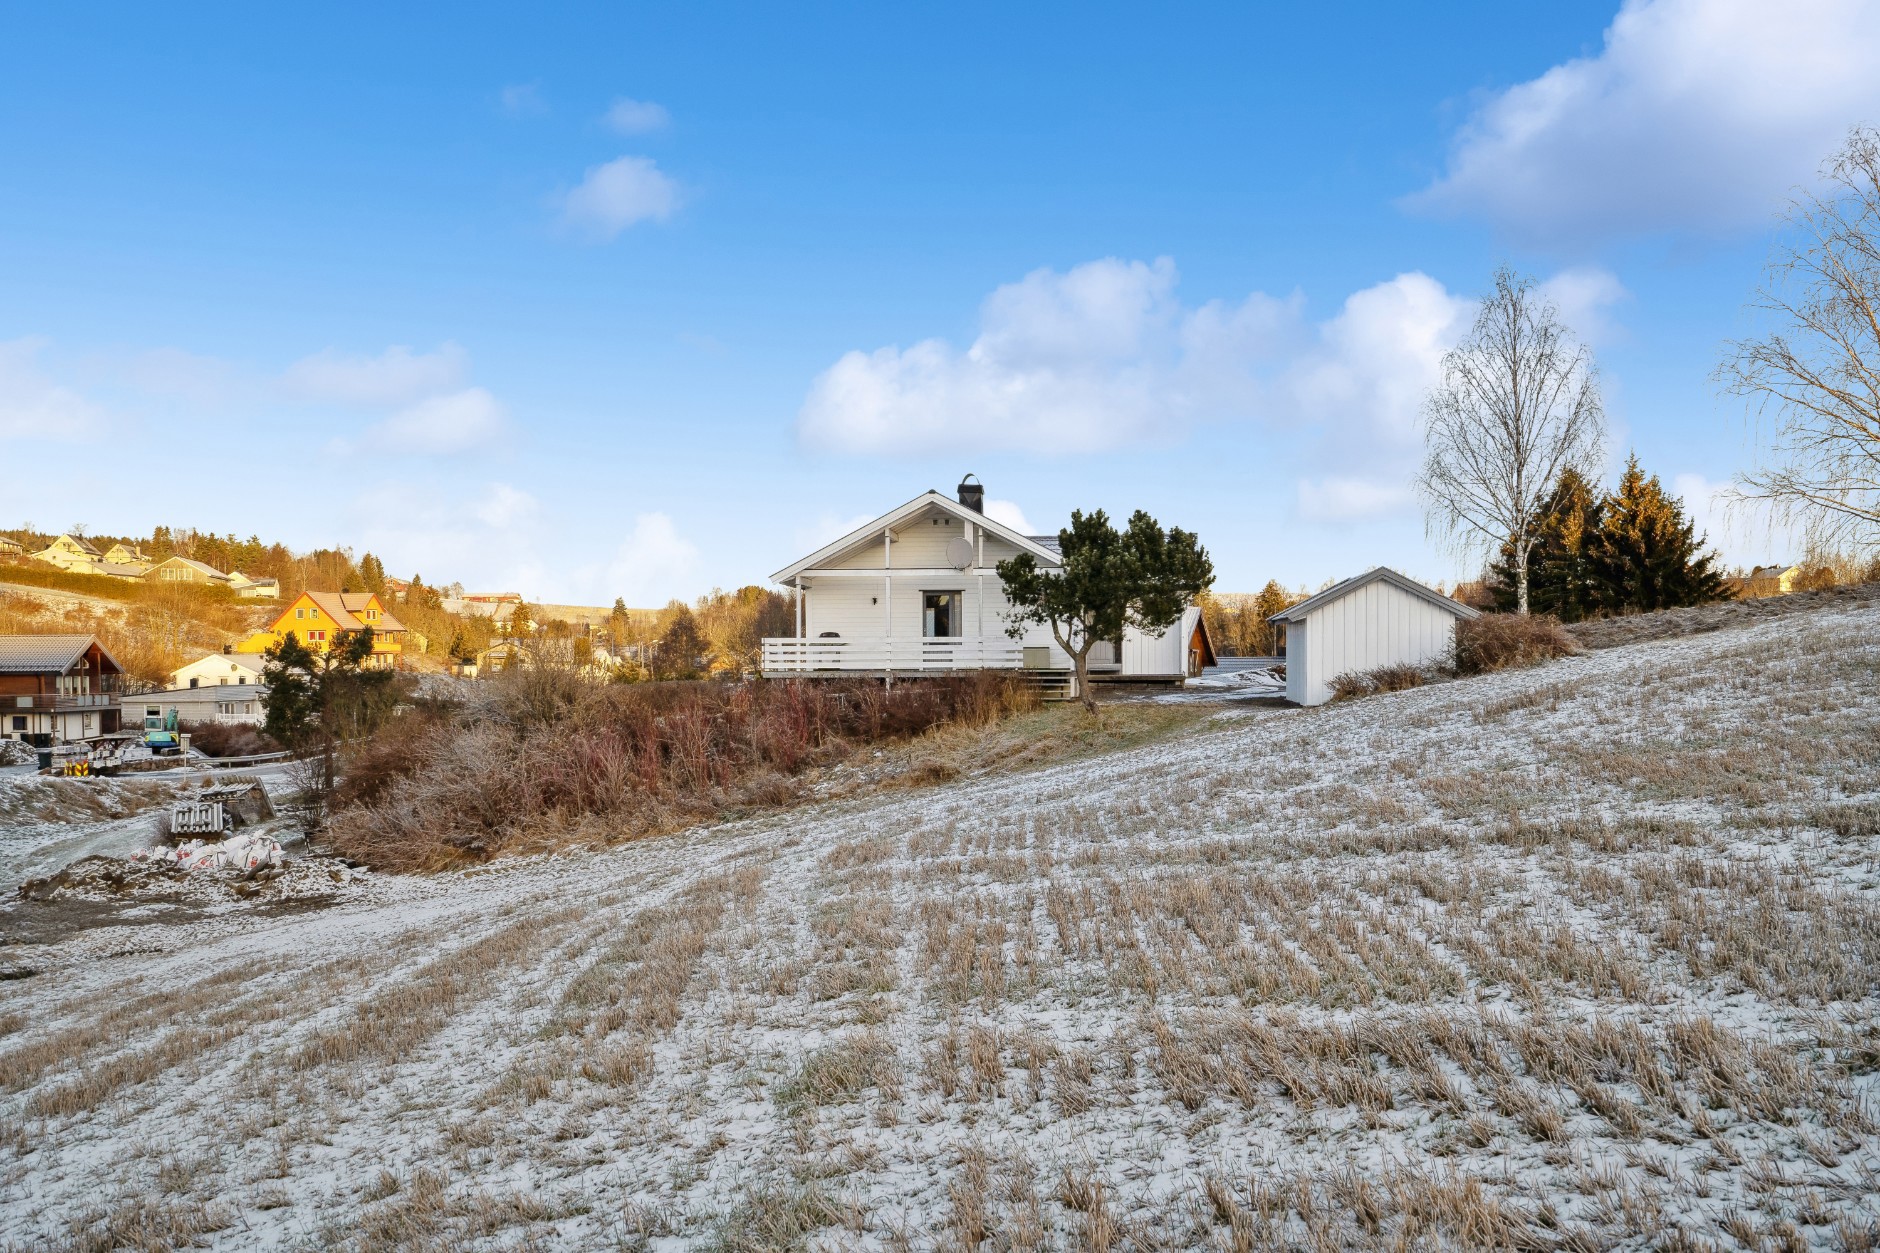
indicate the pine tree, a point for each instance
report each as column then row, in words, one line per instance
column 1646, row 555
column 372, row 573
column 1560, row 575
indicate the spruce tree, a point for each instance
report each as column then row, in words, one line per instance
column 372, row 573
column 1560, row 576
column 1646, row 554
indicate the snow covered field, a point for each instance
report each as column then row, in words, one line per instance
column 1582, row 956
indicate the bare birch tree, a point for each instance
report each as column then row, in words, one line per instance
column 1518, row 404
column 1817, row 374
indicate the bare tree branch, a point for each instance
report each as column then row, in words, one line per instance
column 1816, row 376
column 1518, row 404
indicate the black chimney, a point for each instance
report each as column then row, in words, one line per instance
column 973, row 493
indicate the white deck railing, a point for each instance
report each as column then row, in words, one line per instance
column 820, row 656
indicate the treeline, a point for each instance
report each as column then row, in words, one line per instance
column 720, row 634
column 1628, row 551
column 1237, row 621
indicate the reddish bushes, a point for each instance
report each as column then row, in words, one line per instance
column 229, row 739
column 546, row 757
column 1501, row 641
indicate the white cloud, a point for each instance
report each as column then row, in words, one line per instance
column 1374, row 362
column 452, row 424
column 1344, row 499
column 636, row 117
column 505, row 506
column 188, row 376
column 522, row 100
column 394, row 377
column 1005, row 513
column 32, row 405
column 654, row 563
column 488, row 537
column 1106, row 356
column 614, row 196
column 1582, row 296
column 827, row 528
column 1098, row 357
column 1696, row 114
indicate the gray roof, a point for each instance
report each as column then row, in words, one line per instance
column 200, row 695
column 1047, row 541
column 45, row 654
column 1338, row 591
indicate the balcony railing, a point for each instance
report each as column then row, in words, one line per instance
column 875, row 656
column 53, row 702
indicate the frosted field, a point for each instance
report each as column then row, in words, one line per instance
column 1582, row 956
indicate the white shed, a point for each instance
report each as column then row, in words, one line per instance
column 1372, row 620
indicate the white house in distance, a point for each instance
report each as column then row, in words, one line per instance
column 1372, row 620
column 199, row 704
column 221, row 670
column 917, row 590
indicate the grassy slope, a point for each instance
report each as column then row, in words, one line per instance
column 1584, row 952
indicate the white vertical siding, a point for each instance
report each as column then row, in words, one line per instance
column 1379, row 624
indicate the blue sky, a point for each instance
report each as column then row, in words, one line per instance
column 612, row 301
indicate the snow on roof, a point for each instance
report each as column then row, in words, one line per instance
column 1339, row 591
column 42, row 654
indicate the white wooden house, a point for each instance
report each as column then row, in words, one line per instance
column 1372, row 620
column 226, row 669
column 918, row 590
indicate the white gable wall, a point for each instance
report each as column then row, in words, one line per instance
column 1379, row 624
column 850, row 604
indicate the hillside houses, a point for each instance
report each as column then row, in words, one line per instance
column 317, row 619
column 77, row 555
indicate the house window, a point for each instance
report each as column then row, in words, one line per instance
column 300, row 613
column 19, row 722
column 153, row 711
column 940, row 614
column 317, row 636
column 195, row 682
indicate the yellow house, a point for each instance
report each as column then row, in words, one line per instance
column 317, row 618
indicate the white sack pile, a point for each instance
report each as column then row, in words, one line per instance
column 258, row 855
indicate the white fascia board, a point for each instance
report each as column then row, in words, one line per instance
column 870, row 532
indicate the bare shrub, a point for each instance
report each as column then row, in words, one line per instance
column 229, row 739
column 1504, row 641
column 552, row 757
column 1397, row 678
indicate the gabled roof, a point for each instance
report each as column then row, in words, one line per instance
column 1338, row 591
column 251, row 662
column 358, row 602
column 926, row 500
column 345, row 607
column 47, row 654
column 201, row 567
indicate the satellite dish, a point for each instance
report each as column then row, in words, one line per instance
column 959, row 552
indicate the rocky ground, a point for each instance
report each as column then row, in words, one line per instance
column 1580, row 956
